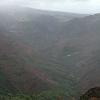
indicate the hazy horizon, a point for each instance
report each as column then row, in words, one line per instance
column 74, row 6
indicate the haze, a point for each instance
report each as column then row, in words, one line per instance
column 76, row 6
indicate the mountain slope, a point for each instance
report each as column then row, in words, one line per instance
column 49, row 51
column 16, row 71
column 82, row 36
column 24, row 36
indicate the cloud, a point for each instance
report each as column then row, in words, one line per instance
column 81, row 0
column 76, row 6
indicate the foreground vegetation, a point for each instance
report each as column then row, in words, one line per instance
column 46, row 95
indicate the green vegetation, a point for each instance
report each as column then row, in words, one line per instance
column 92, row 94
column 46, row 95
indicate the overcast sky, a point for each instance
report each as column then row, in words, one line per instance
column 76, row 6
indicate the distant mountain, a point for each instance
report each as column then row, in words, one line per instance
column 41, row 50
column 81, row 49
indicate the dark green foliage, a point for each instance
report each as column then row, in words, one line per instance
column 92, row 93
column 46, row 95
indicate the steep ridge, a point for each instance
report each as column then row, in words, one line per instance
column 82, row 35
